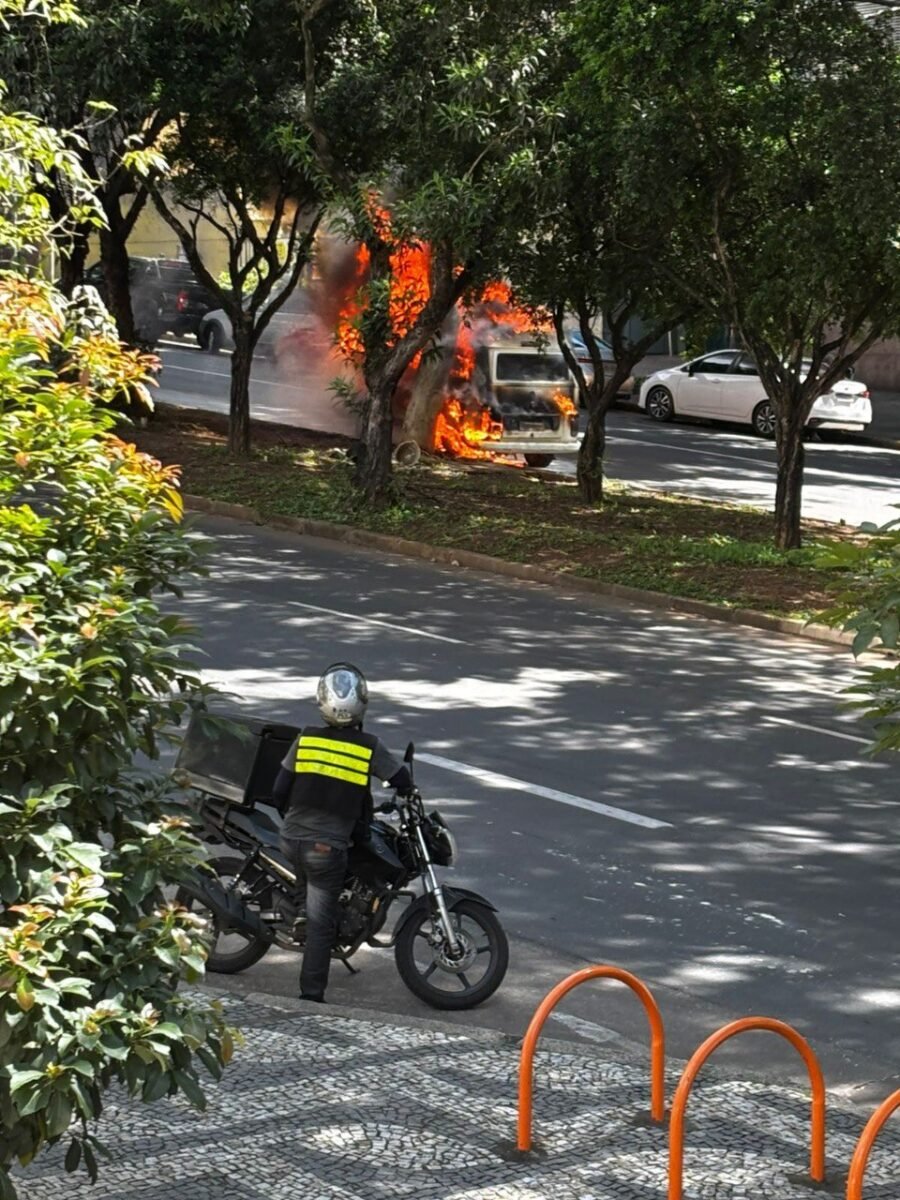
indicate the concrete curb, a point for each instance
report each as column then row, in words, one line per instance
column 623, row 1050
column 349, row 535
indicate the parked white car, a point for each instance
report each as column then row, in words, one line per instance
column 725, row 386
column 293, row 319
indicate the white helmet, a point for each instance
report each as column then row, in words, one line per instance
column 342, row 695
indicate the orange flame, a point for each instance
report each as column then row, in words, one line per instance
column 464, row 427
column 410, row 290
column 565, row 404
column 461, row 432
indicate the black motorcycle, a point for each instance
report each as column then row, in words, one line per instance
column 448, row 944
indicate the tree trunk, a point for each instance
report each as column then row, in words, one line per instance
column 239, row 399
column 71, row 262
column 114, row 256
column 589, row 470
column 426, row 401
column 789, row 486
column 373, row 465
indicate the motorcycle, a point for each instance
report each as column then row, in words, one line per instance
column 449, row 946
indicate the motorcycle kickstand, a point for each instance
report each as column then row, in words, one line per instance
column 353, row 970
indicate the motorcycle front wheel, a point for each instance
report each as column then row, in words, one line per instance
column 230, row 951
column 432, row 974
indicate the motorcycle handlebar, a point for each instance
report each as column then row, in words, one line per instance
column 397, row 801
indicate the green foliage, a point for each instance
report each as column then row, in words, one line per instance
column 869, row 607
column 31, row 156
column 445, row 108
column 91, row 673
column 756, row 122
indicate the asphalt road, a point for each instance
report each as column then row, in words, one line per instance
column 752, row 865
column 844, row 482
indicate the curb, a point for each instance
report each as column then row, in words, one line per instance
column 349, row 535
column 623, row 1050
column 626, row 1049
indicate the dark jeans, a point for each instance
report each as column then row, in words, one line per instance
column 324, row 868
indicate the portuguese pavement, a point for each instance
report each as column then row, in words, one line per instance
column 324, row 1104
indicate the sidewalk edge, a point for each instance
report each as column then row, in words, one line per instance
column 471, row 560
column 622, row 1049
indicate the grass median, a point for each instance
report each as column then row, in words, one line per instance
column 716, row 552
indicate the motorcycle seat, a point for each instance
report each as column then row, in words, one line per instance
column 256, row 825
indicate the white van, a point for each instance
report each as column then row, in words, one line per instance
column 531, row 394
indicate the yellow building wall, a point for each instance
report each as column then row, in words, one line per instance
column 153, row 238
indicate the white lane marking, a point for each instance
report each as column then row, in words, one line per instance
column 848, row 737
column 255, row 381
column 333, row 612
column 756, row 462
column 493, row 779
column 170, row 366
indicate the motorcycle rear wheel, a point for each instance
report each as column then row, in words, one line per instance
column 229, row 951
column 420, row 960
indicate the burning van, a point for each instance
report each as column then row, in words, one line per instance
column 487, row 389
column 515, row 398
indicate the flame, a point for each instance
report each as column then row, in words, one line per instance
column 464, row 427
column 410, row 291
column 463, row 367
column 461, row 431
column 565, row 404
column 348, row 335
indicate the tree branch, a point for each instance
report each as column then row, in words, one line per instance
column 324, row 152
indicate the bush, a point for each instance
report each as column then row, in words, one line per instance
column 869, row 607
column 91, row 673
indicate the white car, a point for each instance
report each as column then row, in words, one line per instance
column 725, row 386
column 293, row 319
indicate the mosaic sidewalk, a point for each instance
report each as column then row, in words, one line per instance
column 320, row 1106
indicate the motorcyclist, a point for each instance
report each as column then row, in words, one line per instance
column 324, row 788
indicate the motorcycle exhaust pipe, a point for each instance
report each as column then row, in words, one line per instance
column 228, row 908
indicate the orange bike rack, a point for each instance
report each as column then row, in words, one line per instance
column 699, row 1057
column 544, row 1009
column 865, row 1143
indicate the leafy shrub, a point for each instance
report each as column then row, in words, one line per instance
column 869, row 607
column 91, row 672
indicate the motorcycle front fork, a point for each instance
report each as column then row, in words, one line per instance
column 436, row 892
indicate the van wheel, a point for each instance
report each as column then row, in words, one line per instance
column 539, row 460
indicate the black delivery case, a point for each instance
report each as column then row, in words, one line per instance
column 233, row 757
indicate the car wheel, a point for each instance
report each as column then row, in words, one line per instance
column 763, row 419
column 211, row 338
column 539, row 460
column 660, row 405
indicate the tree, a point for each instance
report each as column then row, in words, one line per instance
column 91, row 673
column 869, row 607
column 96, row 76
column 592, row 252
column 762, row 120
column 446, row 106
column 240, row 171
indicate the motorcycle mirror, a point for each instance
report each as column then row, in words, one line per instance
column 410, row 751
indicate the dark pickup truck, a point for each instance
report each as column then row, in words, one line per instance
column 165, row 296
